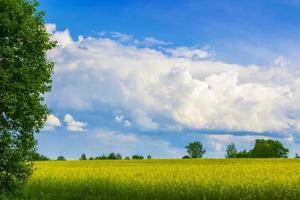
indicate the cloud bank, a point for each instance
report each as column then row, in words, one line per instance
column 163, row 88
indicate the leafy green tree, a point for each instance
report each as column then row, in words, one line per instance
column 25, row 75
column 269, row 149
column 297, row 156
column 61, row 158
column 103, row 157
column 118, row 156
column 244, row 154
column 111, row 156
column 38, row 157
column 137, row 157
column 149, row 157
column 91, row 158
column 231, row 151
column 195, row 150
column 127, row 158
column 83, row 157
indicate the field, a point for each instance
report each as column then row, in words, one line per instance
column 166, row 179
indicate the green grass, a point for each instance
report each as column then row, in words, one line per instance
column 268, row 179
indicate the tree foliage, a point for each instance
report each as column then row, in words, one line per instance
column 269, row 149
column 262, row 149
column 61, row 158
column 231, row 151
column 83, row 157
column 195, row 150
column 111, row 156
column 137, row 157
column 38, row 157
column 25, row 75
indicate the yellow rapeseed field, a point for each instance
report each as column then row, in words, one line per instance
column 268, row 179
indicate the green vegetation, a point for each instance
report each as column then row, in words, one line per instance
column 224, row 179
column 137, row 157
column 61, row 158
column 25, row 75
column 195, row 150
column 262, row 149
column 38, row 157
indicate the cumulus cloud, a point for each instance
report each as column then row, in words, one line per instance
column 73, row 125
column 63, row 38
column 174, row 87
column 121, row 119
column 51, row 123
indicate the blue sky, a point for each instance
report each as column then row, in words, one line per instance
column 151, row 76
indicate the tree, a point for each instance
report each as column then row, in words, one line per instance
column 25, row 75
column 231, row 151
column 137, row 157
column 149, row 157
column 38, row 157
column 297, row 156
column 127, row 158
column 195, row 150
column 269, row 149
column 103, row 157
column 83, row 157
column 111, row 156
column 61, row 158
column 262, row 149
column 244, row 154
column 118, row 156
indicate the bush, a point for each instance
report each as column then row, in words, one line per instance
column 186, row 157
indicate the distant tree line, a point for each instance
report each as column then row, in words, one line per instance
column 114, row 156
column 262, row 149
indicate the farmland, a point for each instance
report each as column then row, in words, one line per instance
column 166, row 179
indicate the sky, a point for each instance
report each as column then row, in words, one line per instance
column 149, row 77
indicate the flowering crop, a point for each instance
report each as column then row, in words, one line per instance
column 166, row 179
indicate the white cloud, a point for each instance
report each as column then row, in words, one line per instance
column 173, row 87
column 127, row 123
column 189, row 53
column 121, row 37
column 281, row 61
column 144, row 121
column 51, row 123
column 150, row 41
column 51, row 28
column 63, row 38
column 121, row 119
column 73, row 125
